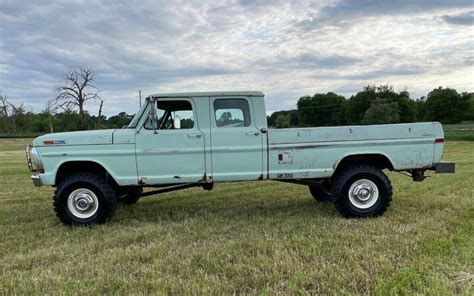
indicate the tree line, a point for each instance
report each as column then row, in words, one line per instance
column 376, row 105
column 16, row 122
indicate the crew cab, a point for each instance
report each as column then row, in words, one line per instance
column 182, row 140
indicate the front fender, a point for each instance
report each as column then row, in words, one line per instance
column 118, row 160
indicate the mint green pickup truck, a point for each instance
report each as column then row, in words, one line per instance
column 183, row 140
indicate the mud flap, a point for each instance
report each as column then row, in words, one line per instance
column 445, row 168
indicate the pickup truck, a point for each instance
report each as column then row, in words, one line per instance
column 182, row 140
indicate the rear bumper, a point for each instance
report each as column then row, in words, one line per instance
column 445, row 168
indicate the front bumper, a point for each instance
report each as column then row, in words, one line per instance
column 37, row 180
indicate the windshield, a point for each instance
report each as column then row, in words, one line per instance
column 138, row 115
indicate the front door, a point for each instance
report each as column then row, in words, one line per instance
column 236, row 142
column 171, row 149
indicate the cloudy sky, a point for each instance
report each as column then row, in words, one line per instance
column 286, row 49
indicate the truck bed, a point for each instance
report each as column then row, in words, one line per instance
column 315, row 152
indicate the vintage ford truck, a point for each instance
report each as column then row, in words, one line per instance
column 182, row 140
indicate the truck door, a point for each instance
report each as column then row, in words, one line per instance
column 171, row 149
column 236, row 142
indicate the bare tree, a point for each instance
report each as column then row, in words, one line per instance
column 78, row 89
column 9, row 112
column 5, row 106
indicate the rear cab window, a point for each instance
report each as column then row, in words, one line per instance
column 232, row 113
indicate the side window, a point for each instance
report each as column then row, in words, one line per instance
column 232, row 112
column 172, row 115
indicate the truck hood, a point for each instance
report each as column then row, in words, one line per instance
column 93, row 137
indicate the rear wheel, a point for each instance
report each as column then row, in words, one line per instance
column 84, row 199
column 321, row 193
column 361, row 191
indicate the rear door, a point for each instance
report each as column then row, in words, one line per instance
column 172, row 151
column 236, row 142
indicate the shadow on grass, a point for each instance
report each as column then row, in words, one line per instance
column 178, row 208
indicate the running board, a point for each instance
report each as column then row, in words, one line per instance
column 170, row 189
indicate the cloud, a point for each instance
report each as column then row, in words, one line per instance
column 462, row 19
column 347, row 12
column 307, row 61
column 385, row 72
column 286, row 49
column 469, row 61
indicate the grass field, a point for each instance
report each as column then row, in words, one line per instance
column 255, row 238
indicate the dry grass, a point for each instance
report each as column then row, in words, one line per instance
column 255, row 238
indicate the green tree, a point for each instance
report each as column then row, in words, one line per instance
column 283, row 121
column 321, row 109
column 271, row 120
column 447, row 105
column 406, row 105
column 420, row 109
column 469, row 97
column 226, row 117
column 119, row 120
column 357, row 105
column 382, row 112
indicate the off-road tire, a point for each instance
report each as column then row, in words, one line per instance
column 350, row 176
column 130, row 195
column 321, row 193
column 107, row 199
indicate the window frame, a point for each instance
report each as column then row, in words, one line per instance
column 193, row 109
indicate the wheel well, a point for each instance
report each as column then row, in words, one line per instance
column 72, row 167
column 378, row 160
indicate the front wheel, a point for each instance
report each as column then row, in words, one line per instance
column 361, row 191
column 84, row 199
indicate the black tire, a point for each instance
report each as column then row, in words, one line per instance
column 130, row 195
column 366, row 181
column 84, row 186
column 321, row 193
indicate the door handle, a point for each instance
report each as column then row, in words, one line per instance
column 195, row 135
column 252, row 133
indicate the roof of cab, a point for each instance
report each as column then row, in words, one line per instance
column 209, row 94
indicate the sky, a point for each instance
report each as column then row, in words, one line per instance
column 287, row 49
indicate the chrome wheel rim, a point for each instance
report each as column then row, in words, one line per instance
column 363, row 194
column 82, row 203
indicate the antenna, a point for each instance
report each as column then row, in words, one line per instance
column 140, row 97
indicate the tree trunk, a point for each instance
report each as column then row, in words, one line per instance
column 100, row 112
